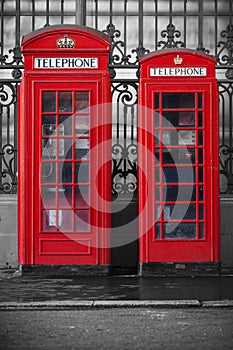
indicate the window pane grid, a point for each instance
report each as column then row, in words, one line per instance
column 179, row 148
column 65, row 195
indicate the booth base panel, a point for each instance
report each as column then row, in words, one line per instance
column 64, row 270
column 179, row 269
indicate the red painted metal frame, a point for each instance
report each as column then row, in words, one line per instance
column 42, row 43
column 206, row 249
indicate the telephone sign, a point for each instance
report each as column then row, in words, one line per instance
column 178, row 159
column 65, row 149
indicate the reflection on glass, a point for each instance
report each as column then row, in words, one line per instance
column 82, row 173
column 158, row 212
column 169, row 137
column 65, row 101
column 156, row 138
column 48, row 172
column 65, row 222
column 179, row 174
column 187, row 137
column 179, row 212
column 82, row 101
column 156, row 120
column 81, row 220
column 81, row 149
column 48, row 196
column 157, row 193
column 82, row 199
column 48, row 101
column 178, row 100
column 157, row 174
column 179, row 156
column 82, row 124
column 49, row 149
column 186, row 119
column 65, row 197
column 65, row 172
column 180, row 231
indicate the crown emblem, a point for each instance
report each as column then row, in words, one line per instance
column 178, row 60
column 65, row 42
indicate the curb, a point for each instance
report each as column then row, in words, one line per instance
column 109, row 304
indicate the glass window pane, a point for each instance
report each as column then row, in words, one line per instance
column 65, row 101
column 179, row 156
column 81, row 149
column 199, row 100
column 82, row 124
column 48, row 172
column 187, row 137
column 156, row 101
column 82, row 199
column 200, row 138
column 200, row 118
column 170, row 119
column 82, row 173
column 48, row 196
column 200, row 156
column 65, row 148
column 200, row 174
column 170, row 137
column 201, row 230
column 178, row 100
column 157, row 231
column 186, row 119
column 48, row 101
column 156, row 120
column 82, row 101
column 65, row 125
column 179, row 212
column 201, row 212
column 49, row 125
column 65, row 172
column 49, row 149
column 179, row 231
column 201, row 193
column 49, row 220
column 179, row 174
column 179, row 193
column 65, row 221
column 81, row 220
column 65, row 197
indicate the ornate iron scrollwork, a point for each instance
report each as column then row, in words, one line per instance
column 8, row 151
column 225, row 54
column 124, row 150
column 171, row 33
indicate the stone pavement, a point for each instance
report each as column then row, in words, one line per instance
column 114, row 291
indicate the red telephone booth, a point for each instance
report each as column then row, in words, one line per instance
column 65, row 148
column 178, row 160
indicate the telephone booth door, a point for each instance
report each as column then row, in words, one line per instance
column 65, row 149
column 178, row 162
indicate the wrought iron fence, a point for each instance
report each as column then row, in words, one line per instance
column 135, row 27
